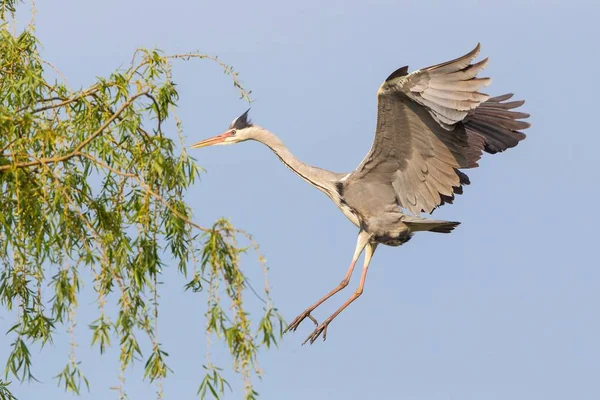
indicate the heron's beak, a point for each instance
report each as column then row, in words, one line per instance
column 211, row 141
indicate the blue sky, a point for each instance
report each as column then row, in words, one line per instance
column 506, row 307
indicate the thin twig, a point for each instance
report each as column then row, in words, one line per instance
column 81, row 95
column 81, row 145
column 103, row 164
column 6, row 147
column 227, row 68
column 157, row 111
column 166, row 204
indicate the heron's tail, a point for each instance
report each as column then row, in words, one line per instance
column 417, row 224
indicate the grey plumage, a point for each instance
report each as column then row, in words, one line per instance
column 431, row 123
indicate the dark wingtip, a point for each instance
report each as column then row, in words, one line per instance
column 403, row 71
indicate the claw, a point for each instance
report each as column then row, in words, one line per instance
column 298, row 320
column 317, row 332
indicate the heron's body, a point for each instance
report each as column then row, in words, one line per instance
column 431, row 123
column 371, row 207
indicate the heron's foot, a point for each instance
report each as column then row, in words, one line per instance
column 296, row 322
column 321, row 329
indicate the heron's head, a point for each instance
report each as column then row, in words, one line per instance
column 239, row 130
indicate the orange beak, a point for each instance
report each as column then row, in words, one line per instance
column 211, row 141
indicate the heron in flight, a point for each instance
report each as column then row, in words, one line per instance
column 431, row 123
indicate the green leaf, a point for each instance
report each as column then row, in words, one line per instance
column 94, row 190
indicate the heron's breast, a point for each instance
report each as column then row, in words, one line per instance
column 349, row 213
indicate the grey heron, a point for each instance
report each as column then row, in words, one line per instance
column 431, row 123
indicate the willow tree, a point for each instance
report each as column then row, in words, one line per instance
column 92, row 190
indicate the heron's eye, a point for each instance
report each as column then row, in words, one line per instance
column 233, row 132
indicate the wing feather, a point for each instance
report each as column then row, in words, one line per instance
column 456, row 64
column 437, row 183
column 460, row 105
column 456, row 77
column 470, row 85
column 450, row 95
column 503, row 97
column 467, row 73
column 444, row 114
column 432, row 123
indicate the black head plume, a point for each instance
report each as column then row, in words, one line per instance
column 241, row 122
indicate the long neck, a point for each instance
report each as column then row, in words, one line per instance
column 322, row 179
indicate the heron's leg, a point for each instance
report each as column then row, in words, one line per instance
column 370, row 249
column 363, row 239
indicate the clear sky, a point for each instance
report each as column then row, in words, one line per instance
column 506, row 307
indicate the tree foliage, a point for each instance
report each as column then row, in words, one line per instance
column 92, row 189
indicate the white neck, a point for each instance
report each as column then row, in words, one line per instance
column 322, row 179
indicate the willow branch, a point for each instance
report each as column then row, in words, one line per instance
column 105, row 165
column 77, row 150
column 227, row 68
column 81, row 95
column 2, row 150
column 166, row 204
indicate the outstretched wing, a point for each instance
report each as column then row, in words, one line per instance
column 431, row 123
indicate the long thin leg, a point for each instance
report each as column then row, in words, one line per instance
column 370, row 250
column 362, row 241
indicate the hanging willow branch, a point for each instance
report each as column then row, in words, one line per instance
column 78, row 171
